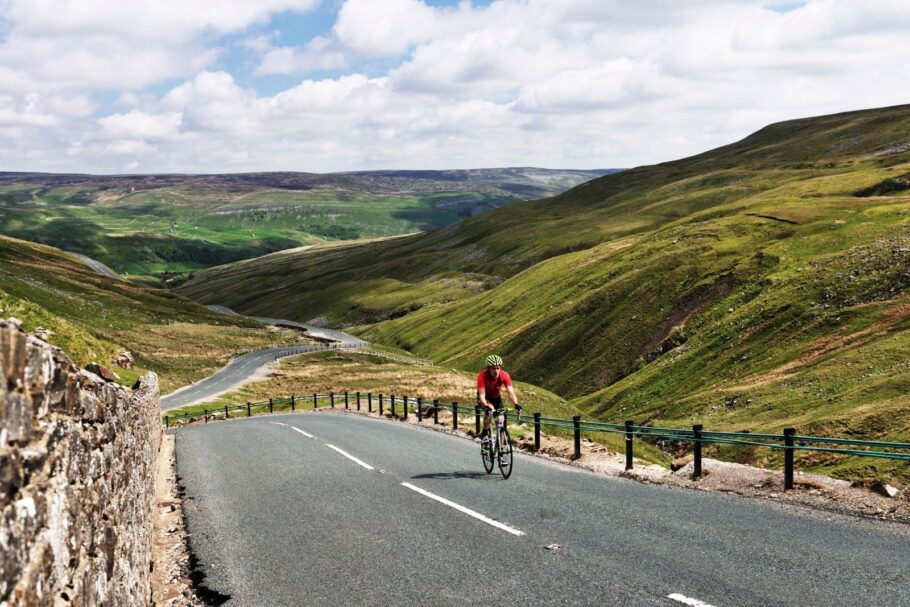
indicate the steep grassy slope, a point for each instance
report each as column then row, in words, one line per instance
column 759, row 285
column 94, row 318
column 160, row 227
column 501, row 243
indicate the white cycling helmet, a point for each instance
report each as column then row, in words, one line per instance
column 494, row 360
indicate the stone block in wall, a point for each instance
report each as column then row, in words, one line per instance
column 12, row 344
column 19, row 418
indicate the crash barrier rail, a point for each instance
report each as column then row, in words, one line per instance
column 403, row 406
column 293, row 351
column 411, row 360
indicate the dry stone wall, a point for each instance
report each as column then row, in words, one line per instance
column 77, row 458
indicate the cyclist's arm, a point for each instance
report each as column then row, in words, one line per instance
column 512, row 396
column 483, row 401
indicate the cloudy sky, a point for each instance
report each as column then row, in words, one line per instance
column 133, row 86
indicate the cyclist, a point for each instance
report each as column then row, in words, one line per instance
column 490, row 383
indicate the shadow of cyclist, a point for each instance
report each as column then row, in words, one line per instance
column 474, row 475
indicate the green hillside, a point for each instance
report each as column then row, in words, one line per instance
column 155, row 228
column 756, row 286
column 93, row 318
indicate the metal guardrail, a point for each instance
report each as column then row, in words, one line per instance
column 411, row 360
column 402, row 406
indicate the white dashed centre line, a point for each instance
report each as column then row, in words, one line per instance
column 349, row 456
column 306, row 434
column 467, row 511
column 687, row 601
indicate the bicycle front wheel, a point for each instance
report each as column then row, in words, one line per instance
column 486, row 453
column 505, row 453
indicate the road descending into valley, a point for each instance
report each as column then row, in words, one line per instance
column 242, row 367
column 229, row 377
column 97, row 266
column 322, row 508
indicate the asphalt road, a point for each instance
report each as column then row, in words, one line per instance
column 230, row 376
column 339, row 336
column 245, row 365
column 277, row 517
column 97, row 266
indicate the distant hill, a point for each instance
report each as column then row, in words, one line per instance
column 157, row 227
column 760, row 285
column 94, row 318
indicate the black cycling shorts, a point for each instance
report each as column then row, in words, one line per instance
column 496, row 402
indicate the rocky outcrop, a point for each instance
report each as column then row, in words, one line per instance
column 124, row 360
column 77, row 458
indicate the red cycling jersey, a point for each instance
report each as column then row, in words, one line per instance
column 492, row 388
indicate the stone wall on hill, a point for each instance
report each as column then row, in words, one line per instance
column 77, row 459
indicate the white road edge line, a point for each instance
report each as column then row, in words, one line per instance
column 306, row 434
column 687, row 601
column 279, row 424
column 467, row 511
column 348, row 455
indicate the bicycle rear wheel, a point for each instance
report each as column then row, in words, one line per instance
column 505, row 453
column 486, row 453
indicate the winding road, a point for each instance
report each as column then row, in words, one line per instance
column 320, row 508
column 229, row 377
column 240, row 368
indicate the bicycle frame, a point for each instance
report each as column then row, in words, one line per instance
column 495, row 450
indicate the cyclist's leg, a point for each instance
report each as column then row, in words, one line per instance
column 488, row 415
column 485, row 426
column 497, row 405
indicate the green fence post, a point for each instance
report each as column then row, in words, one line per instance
column 225, row 412
column 346, row 400
column 270, row 406
column 576, row 426
column 629, row 437
column 454, row 415
column 293, row 403
column 332, row 399
column 206, row 415
column 315, row 404
column 435, row 411
column 419, row 411
column 537, row 431
column 788, row 458
column 167, row 422
column 248, row 409
column 696, row 459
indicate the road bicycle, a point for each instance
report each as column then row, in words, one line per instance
column 497, row 448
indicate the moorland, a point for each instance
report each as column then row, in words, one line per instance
column 757, row 286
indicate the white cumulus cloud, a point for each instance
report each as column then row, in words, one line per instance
column 584, row 83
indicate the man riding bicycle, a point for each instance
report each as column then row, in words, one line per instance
column 490, row 383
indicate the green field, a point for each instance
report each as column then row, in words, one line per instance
column 757, row 286
column 161, row 229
